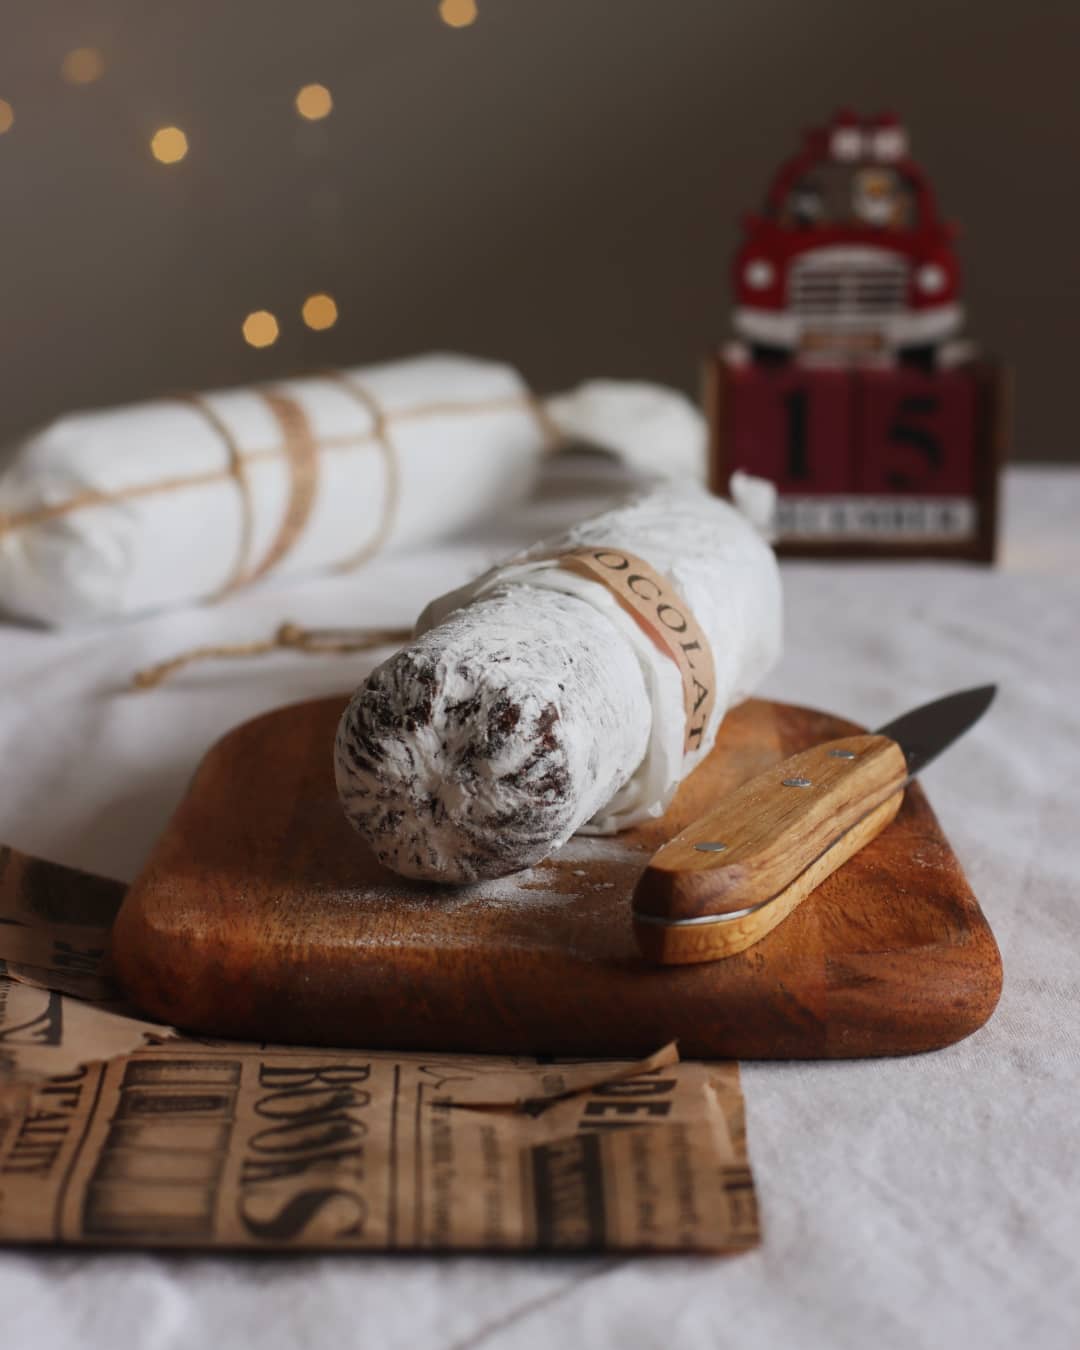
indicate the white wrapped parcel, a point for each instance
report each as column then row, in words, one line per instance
column 128, row 510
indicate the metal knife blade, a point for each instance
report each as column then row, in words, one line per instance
column 924, row 732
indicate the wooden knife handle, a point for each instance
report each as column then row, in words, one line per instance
column 767, row 844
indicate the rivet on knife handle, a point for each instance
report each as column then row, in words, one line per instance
column 783, row 833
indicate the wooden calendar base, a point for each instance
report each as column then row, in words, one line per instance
column 867, row 462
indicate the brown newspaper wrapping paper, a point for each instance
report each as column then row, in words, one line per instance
column 106, row 1140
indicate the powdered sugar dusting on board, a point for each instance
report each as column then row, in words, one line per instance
column 586, row 866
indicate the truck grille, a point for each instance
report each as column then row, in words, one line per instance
column 840, row 290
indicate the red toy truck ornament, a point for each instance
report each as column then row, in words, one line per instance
column 849, row 259
column 848, row 389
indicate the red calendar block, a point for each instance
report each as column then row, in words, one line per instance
column 867, row 462
column 916, row 433
column 793, row 426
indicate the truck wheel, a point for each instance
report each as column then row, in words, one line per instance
column 919, row 358
column 762, row 354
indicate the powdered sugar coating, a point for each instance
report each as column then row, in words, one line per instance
column 484, row 745
column 533, row 705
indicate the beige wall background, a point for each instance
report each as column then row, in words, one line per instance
column 558, row 184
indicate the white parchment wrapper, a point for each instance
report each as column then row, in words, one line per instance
column 728, row 577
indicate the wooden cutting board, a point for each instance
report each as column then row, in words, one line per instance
column 261, row 915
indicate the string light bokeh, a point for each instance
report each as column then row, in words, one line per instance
column 260, row 329
column 84, row 65
column 314, row 102
column 458, row 13
column 319, row 311
column 169, row 145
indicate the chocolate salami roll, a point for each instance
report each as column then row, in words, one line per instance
column 570, row 689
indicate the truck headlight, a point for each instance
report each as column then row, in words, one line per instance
column 759, row 274
column 931, row 278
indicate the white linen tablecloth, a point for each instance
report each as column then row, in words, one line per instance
column 922, row 1202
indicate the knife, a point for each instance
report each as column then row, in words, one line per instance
column 734, row 874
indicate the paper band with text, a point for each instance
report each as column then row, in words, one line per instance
column 665, row 618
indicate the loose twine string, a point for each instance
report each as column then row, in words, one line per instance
column 288, row 637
